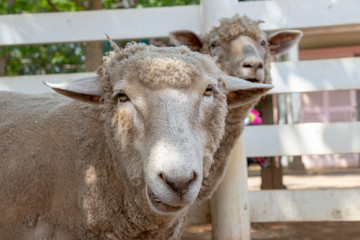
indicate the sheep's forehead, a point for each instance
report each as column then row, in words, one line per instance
column 160, row 70
column 152, row 67
column 169, row 70
column 231, row 28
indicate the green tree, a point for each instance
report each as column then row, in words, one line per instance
column 41, row 59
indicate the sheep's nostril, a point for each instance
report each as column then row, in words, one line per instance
column 162, row 176
column 179, row 185
column 247, row 65
column 194, row 177
column 253, row 65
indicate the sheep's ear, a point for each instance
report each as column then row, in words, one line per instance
column 187, row 38
column 85, row 89
column 241, row 92
column 282, row 41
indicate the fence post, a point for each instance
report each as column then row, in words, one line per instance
column 212, row 10
column 230, row 210
column 229, row 205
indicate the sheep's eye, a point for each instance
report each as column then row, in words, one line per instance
column 209, row 91
column 122, row 97
column 263, row 43
column 214, row 44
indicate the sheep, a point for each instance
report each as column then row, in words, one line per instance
column 126, row 158
column 242, row 50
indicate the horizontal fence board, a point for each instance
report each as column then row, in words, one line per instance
column 288, row 77
column 33, row 84
column 279, row 14
column 305, row 205
column 316, row 75
column 300, row 139
column 92, row 25
column 158, row 22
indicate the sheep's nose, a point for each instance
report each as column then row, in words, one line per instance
column 253, row 64
column 180, row 185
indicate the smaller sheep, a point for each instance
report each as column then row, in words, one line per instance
column 128, row 165
column 242, row 50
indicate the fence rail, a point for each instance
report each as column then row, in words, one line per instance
column 158, row 22
column 288, row 77
column 302, row 139
column 305, row 205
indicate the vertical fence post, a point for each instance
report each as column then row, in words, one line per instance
column 230, row 204
column 230, row 210
column 211, row 11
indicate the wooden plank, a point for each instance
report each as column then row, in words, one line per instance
column 33, row 84
column 289, row 77
column 92, row 25
column 230, row 203
column 213, row 10
column 305, row 205
column 158, row 22
column 300, row 139
column 279, row 14
column 316, row 75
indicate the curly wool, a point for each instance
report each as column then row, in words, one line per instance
column 155, row 65
column 231, row 28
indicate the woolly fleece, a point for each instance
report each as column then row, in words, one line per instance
column 72, row 170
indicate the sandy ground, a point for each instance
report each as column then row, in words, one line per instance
column 287, row 231
column 312, row 179
column 306, row 231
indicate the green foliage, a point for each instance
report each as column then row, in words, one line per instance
column 37, row 6
column 40, row 59
column 162, row 3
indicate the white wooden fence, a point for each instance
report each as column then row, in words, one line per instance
column 232, row 207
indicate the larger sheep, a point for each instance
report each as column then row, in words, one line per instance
column 243, row 50
column 126, row 167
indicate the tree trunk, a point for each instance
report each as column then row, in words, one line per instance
column 10, row 2
column 93, row 51
column 95, row 4
column 4, row 61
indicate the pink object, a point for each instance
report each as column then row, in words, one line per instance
column 254, row 117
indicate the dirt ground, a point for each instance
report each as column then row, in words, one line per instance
column 287, row 231
column 311, row 179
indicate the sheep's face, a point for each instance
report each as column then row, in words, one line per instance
column 241, row 48
column 175, row 137
column 244, row 56
column 168, row 115
column 164, row 116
